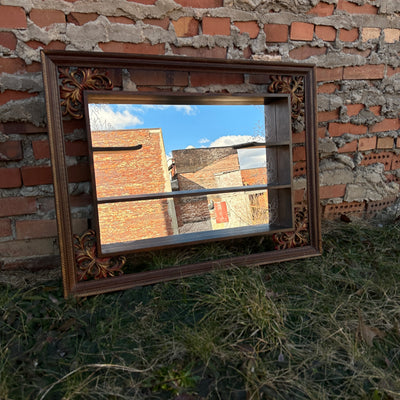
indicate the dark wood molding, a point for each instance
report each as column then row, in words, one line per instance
column 53, row 61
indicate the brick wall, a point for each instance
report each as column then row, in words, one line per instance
column 130, row 172
column 354, row 45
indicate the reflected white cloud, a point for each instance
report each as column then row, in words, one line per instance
column 231, row 140
column 252, row 158
column 185, row 108
column 103, row 117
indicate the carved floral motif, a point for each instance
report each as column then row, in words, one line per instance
column 73, row 83
column 89, row 265
column 295, row 87
column 296, row 238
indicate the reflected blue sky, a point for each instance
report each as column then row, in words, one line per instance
column 186, row 126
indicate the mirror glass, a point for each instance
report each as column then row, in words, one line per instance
column 165, row 174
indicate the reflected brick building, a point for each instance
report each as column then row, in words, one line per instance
column 218, row 167
column 140, row 170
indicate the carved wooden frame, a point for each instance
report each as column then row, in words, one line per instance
column 68, row 74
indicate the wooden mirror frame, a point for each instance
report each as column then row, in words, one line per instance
column 68, row 74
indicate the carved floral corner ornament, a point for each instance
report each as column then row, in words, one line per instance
column 74, row 82
column 296, row 238
column 293, row 85
column 89, row 266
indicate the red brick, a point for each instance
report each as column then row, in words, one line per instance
column 29, row 229
column 363, row 53
column 348, row 35
column 299, row 153
column 28, row 248
column 8, row 40
column 12, row 17
column 322, row 9
column 159, row 78
column 11, row 151
column 324, row 116
column 329, row 74
column 5, row 227
column 301, row 31
column 304, row 52
column 247, row 52
column 56, row 45
column 81, row 18
column 17, row 206
column 334, row 211
column 120, row 20
column 10, row 178
column 353, row 8
column 42, row 228
column 327, row 33
column 354, row 109
column 392, row 71
column 386, row 125
column 299, row 195
column 395, row 162
column 142, row 48
column 365, row 143
column 13, row 95
column 79, row 173
column 328, row 88
column 330, row 192
column 386, row 142
column 338, row 129
column 37, row 175
column 186, row 27
column 45, row 18
column 200, row 3
column 163, row 23
column 348, row 147
column 205, row 78
column 250, row 27
column 299, row 137
column 11, row 65
column 216, row 26
column 41, row 149
column 384, row 157
column 364, row 72
column 205, row 52
column 276, row 33
column 376, row 110
column 321, row 132
column 299, row 168
column 259, row 79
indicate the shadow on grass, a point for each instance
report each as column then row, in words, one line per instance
column 322, row 328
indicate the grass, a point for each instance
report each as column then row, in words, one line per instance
column 322, row 328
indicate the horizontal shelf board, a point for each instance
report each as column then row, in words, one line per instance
column 191, row 238
column 278, row 144
column 189, row 193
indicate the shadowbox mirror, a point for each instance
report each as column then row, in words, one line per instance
column 167, row 167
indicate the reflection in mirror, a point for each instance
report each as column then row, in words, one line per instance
column 178, row 173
